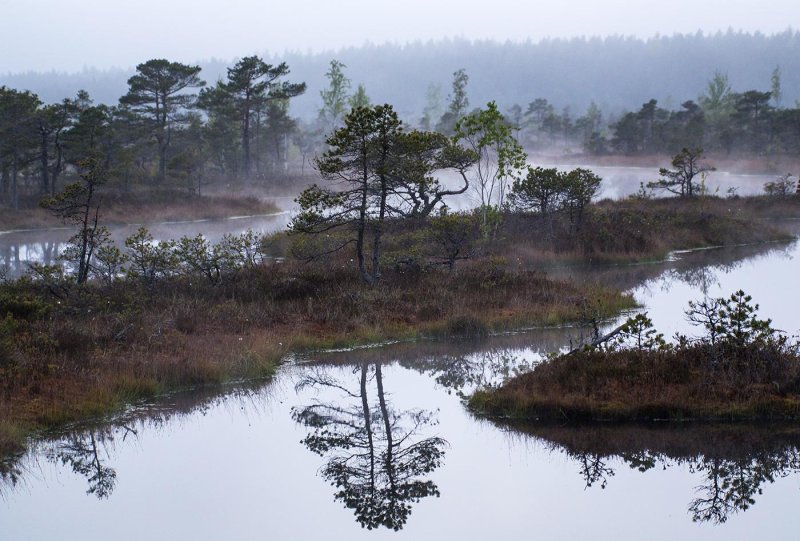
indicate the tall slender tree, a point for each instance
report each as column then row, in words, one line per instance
column 753, row 118
column 359, row 98
column 433, row 107
column 459, row 102
column 79, row 205
column 222, row 132
column 335, row 97
column 500, row 160
column 358, row 160
column 158, row 92
column 775, row 86
column 52, row 122
column 252, row 84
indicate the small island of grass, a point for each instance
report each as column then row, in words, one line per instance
column 741, row 369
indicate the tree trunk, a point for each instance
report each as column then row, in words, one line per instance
column 56, row 167
column 362, row 220
column 368, row 424
column 258, row 143
column 83, row 271
column 5, row 180
column 44, row 158
column 162, row 156
column 14, row 174
column 362, row 225
column 377, row 246
column 387, row 426
column 246, row 139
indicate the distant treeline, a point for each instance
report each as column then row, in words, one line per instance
column 722, row 120
column 618, row 73
column 180, row 125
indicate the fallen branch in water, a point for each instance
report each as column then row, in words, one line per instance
column 597, row 341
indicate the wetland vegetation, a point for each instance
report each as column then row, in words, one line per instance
column 434, row 232
column 191, row 312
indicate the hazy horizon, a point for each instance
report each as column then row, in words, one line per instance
column 101, row 35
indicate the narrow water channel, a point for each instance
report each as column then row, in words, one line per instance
column 19, row 248
column 376, row 444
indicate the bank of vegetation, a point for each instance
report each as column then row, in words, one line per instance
column 739, row 369
column 145, row 206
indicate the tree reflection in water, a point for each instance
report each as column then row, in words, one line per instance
column 375, row 457
column 732, row 484
column 485, row 369
column 15, row 257
column 84, row 453
column 734, row 461
column 464, row 372
column 88, row 450
column 10, row 471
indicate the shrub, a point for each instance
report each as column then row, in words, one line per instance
column 739, row 324
column 453, row 236
column 150, row 260
column 22, row 306
column 638, row 332
column 783, row 186
column 8, row 329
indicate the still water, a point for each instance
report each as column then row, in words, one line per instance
column 376, row 444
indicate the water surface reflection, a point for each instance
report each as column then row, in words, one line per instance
column 20, row 248
column 373, row 453
column 730, row 465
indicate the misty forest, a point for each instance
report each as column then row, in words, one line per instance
column 404, row 285
column 256, row 120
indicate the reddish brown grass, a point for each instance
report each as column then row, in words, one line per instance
column 107, row 345
column 760, row 381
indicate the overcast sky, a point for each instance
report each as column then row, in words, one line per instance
column 71, row 34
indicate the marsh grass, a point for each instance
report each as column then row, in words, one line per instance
column 620, row 231
column 645, row 230
column 102, row 346
column 697, row 382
